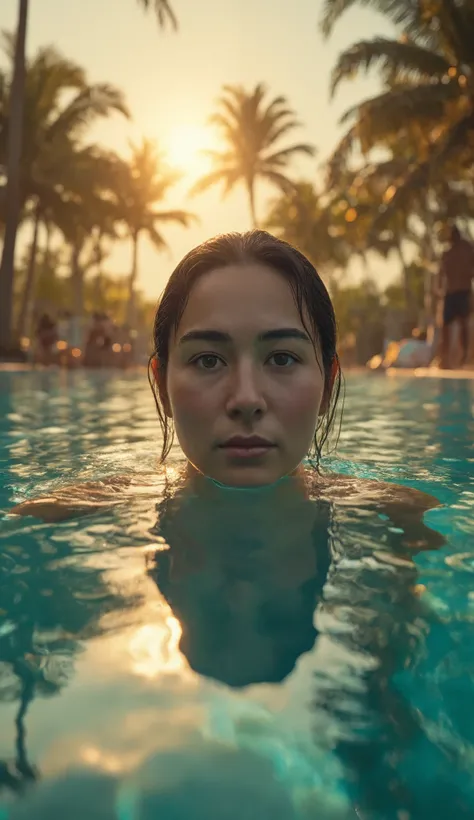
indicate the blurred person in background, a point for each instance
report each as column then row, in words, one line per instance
column 98, row 348
column 46, row 336
column 455, row 286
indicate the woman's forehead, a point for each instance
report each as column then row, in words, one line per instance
column 241, row 295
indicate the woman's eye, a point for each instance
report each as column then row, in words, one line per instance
column 283, row 359
column 207, row 361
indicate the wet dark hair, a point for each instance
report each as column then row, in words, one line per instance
column 310, row 293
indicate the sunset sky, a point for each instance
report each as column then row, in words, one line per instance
column 171, row 81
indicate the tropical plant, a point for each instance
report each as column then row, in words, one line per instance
column 54, row 129
column 87, row 213
column 53, row 163
column 425, row 111
column 101, row 290
column 366, row 315
column 302, row 218
column 251, row 129
column 354, row 205
column 142, row 182
column 10, row 198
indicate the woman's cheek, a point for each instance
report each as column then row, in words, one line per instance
column 189, row 399
column 303, row 400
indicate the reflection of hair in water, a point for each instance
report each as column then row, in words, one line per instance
column 51, row 603
column 17, row 777
column 261, row 639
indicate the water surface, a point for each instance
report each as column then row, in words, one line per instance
column 311, row 669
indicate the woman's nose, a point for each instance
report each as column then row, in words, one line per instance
column 246, row 397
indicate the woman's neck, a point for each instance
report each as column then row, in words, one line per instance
column 288, row 488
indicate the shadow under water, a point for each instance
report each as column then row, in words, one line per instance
column 254, row 589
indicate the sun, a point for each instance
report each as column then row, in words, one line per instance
column 185, row 146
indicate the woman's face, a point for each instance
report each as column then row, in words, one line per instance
column 243, row 383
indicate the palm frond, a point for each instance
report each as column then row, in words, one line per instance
column 393, row 57
column 156, row 238
column 455, row 140
column 227, row 176
column 218, row 157
column 422, row 175
column 456, row 21
column 184, row 218
column 278, row 130
column 383, row 118
column 163, row 10
column 228, row 106
column 410, row 15
column 280, row 180
column 93, row 102
column 409, row 191
column 340, row 156
column 281, row 157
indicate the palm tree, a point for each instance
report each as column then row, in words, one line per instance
column 427, row 101
column 251, row 129
column 141, row 183
column 12, row 199
column 52, row 162
column 11, row 206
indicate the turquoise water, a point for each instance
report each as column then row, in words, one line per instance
column 138, row 684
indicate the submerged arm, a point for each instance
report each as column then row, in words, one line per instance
column 75, row 500
column 403, row 506
column 406, row 508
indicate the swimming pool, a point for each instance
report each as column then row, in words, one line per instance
column 103, row 711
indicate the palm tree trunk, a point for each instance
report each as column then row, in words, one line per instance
column 46, row 259
column 431, row 302
column 98, row 283
column 99, row 290
column 406, row 282
column 30, row 277
column 47, row 245
column 133, row 278
column 251, row 193
column 77, row 281
column 15, row 137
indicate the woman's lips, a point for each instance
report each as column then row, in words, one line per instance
column 246, row 452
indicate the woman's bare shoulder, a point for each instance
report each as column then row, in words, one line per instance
column 351, row 490
column 404, row 506
column 85, row 498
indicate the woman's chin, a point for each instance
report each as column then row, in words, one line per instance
column 240, row 476
column 246, row 479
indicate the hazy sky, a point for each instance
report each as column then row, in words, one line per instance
column 172, row 80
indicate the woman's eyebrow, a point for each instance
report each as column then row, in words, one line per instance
column 266, row 336
column 205, row 336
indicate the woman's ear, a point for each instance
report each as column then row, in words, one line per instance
column 159, row 375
